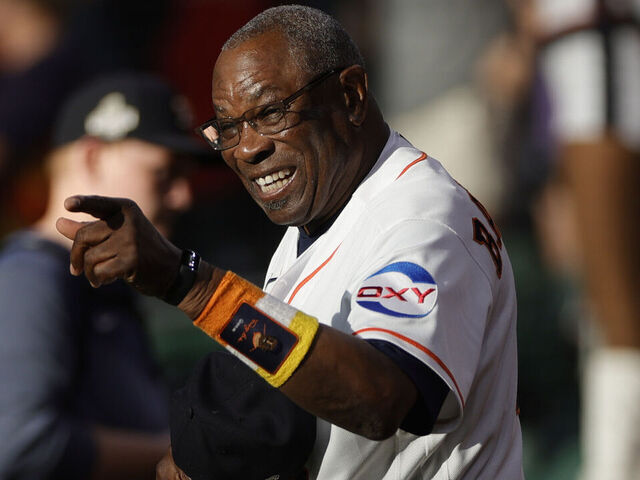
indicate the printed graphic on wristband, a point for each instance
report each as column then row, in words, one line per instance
column 259, row 338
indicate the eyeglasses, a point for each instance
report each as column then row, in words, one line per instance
column 224, row 133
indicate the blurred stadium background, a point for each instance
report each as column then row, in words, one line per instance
column 445, row 76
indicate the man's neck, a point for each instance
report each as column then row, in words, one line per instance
column 375, row 138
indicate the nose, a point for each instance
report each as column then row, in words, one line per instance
column 179, row 196
column 253, row 147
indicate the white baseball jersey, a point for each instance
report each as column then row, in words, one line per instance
column 414, row 260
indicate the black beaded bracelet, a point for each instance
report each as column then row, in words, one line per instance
column 185, row 278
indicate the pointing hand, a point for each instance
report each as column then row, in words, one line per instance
column 121, row 243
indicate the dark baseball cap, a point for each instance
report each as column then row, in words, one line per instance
column 228, row 423
column 129, row 105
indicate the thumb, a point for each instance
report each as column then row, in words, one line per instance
column 68, row 227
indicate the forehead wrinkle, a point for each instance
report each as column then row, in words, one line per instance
column 245, row 80
column 252, row 94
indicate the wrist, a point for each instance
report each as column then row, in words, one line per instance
column 206, row 282
column 184, row 278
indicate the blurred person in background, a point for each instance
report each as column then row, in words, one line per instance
column 517, row 108
column 80, row 396
column 590, row 60
column 586, row 54
column 32, row 83
column 48, row 48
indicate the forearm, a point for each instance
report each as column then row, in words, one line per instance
column 351, row 384
column 342, row 379
column 341, row 372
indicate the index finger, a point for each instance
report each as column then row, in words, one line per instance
column 95, row 205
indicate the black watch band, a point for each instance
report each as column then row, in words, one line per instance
column 185, row 278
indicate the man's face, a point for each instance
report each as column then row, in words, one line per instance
column 310, row 159
column 148, row 174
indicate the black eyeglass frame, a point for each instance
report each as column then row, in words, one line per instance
column 284, row 105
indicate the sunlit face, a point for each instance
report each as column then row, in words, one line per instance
column 148, row 174
column 300, row 175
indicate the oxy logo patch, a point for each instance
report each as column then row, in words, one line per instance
column 401, row 289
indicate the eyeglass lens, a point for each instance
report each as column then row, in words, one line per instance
column 264, row 119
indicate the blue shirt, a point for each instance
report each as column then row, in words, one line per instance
column 70, row 357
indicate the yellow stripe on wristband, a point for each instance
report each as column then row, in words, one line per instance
column 270, row 336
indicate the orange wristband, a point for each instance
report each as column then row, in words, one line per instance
column 269, row 335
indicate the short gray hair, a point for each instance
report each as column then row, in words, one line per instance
column 317, row 41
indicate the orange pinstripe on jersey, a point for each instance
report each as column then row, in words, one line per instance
column 311, row 275
column 419, row 159
column 420, row 347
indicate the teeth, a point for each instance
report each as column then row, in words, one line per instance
column 274, row 181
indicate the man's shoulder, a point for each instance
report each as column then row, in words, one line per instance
column 413, row 185
column 28, row 246
column 31, row 268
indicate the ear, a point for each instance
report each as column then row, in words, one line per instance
column 356, row 93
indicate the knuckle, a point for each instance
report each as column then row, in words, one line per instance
column 128, row 205
column 81, row 235
column 91, row 257
column 77, row 256
column 89, row 273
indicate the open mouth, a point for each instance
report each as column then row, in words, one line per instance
column 274, row 181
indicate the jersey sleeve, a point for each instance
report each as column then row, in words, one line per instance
column 426, row 294
column 432, row 391
column 37, row 361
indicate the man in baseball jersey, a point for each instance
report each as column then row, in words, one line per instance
column 388, row 310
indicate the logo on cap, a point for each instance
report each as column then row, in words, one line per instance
column 113, row 118
column 401, row 289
